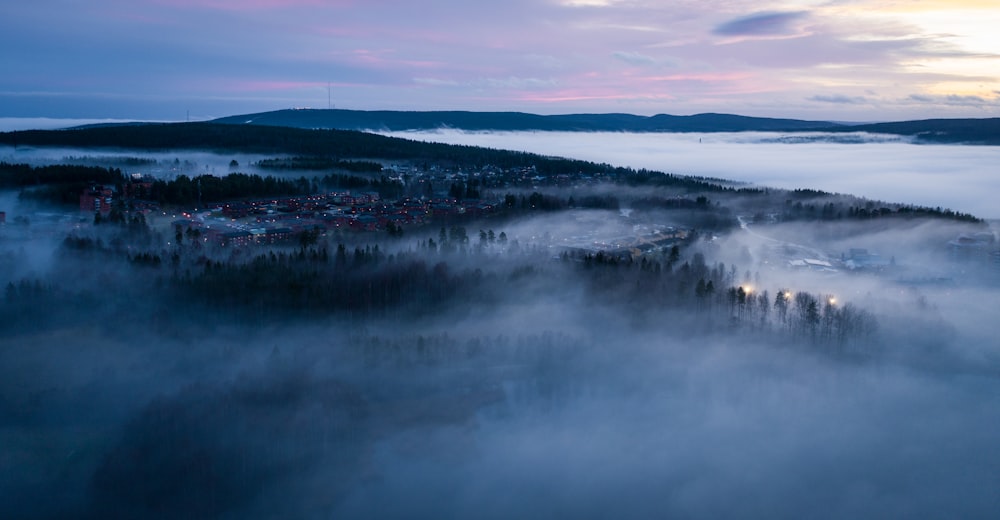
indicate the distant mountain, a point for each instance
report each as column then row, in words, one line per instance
column 401, row 121
column 985, row 131
column 965, row 131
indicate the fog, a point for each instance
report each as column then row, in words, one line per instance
column 166, row 165
column 877, row 167
column 510, row 379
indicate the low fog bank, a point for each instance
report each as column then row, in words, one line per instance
column 931, row 297
column 441, row 376
column 312, row 422
column 161, row 165
column 871, row 166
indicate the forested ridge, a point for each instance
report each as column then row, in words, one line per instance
column 985, row 131
column 517, row 121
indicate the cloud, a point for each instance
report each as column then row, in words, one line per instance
column 965, row 100
column 635, row 58
column 954, row 100
column 839, row 99
column 762, row 24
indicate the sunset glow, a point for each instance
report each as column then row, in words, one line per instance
column 863, row 60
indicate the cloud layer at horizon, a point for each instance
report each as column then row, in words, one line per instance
column 878, row 167
column 847, row 60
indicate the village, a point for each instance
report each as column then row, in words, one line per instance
column 301, row 219
column 434, row 195
column 276, row 220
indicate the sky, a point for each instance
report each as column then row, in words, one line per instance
column 841, row 60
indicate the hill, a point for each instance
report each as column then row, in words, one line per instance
column 338, row 144
column 513, row 121
column 957, row 131
column 964, row 131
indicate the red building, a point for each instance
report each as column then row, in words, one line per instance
column 96, row 199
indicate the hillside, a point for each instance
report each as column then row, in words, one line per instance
column 964, row 131
column 511, row 121
column 958, row 131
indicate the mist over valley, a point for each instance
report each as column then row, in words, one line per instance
column 876, row 166
column 306, row 324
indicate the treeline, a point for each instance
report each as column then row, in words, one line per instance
column 319, row 163
column 365, row 282
column 852, row 210
column 56, row 184
column 134, row 162
column 325, row 144
column 449, row 273
column 362, row 282
column 62, row 184
column 191, row 192
column 644, row 177
column 720, row 299
column 384, row 186
column 188, row 192
column 25, row 175
column 263, row 139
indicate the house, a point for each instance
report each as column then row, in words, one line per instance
column 237, row 209
column 416, row 216
column 138, row 187
column 812, row 264
column 274, row 235
column 233, row 238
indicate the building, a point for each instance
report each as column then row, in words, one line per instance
column 97, row 199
